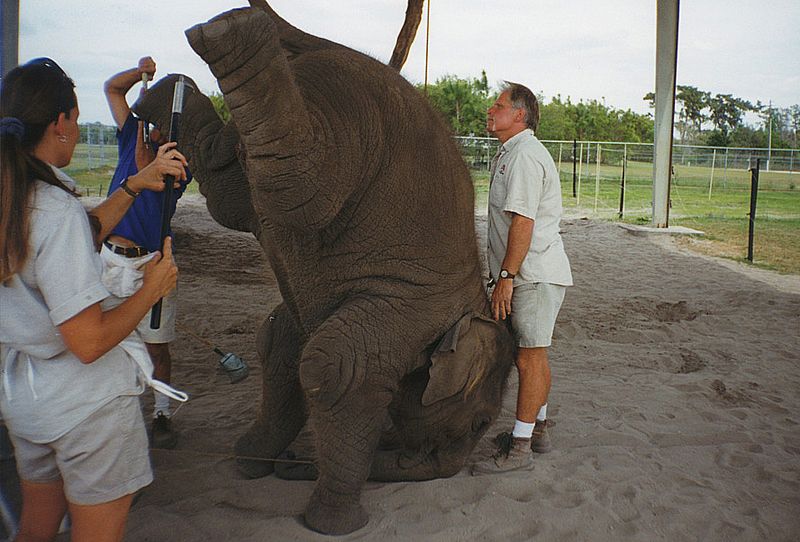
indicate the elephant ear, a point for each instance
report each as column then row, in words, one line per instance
column 461, row 357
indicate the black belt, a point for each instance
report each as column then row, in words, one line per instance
column 128, row 252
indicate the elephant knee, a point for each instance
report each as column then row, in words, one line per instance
column 325, row 378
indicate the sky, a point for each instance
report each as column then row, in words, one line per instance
column 582, row 49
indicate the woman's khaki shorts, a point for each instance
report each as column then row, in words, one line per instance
column 103, row 458
column 534, row 309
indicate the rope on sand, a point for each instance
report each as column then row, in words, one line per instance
column 234, row 456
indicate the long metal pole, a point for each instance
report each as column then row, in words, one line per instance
column 769, row 144
column 427, row 43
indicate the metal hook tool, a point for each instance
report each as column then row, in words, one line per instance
column 233, row 365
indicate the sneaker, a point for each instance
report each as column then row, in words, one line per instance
column 161, row 433
column 512, row 454
column 540, row 441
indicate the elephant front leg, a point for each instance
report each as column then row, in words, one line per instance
column 346, row 439
column 283, row 411
column 348, row 374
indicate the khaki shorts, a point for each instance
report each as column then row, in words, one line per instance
column 534, row 309
column 103, row 458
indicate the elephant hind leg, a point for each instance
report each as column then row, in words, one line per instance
column 402, row 465
column 283, row 411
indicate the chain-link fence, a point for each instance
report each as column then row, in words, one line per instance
column 605, row 179
column 600, row 178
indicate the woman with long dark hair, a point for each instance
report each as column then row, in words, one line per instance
column 71, row 372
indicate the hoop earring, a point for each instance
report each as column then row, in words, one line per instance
column 62, row 138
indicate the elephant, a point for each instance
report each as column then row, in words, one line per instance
column 383, row 342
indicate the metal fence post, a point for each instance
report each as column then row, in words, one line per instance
column 597, row 177
column 580, row 174
column 622, row 181
column 753, row 198
column 711, row 181
column 574, row 166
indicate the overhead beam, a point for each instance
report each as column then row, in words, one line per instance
column 666, row 67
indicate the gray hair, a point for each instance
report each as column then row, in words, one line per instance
column 522, row 98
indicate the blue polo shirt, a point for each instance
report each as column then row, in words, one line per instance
column 142, row 223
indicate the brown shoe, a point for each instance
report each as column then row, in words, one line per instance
column 540, row 441
column 512, row 454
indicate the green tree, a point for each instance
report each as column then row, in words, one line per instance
column 692, row 102
column 463, row 102
column 794, row 124
column 726, row 111
column 220, row 106
column 592, row 120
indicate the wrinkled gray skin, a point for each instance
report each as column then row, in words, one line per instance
column 364, row 207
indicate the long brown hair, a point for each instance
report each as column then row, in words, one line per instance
column 32, row 97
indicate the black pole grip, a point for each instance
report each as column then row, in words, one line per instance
column 167, row 201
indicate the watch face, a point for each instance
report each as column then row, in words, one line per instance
column 503, row 274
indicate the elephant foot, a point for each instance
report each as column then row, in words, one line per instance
column 249, row 449
column 291, row 467
column 216, row 38
column 334, row 520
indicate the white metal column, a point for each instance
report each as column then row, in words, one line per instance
column 666, row 65
column 9, row 28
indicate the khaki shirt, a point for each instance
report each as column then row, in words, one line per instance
column 524, row 180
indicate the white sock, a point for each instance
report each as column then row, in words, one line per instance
column 161, row 404
column 542, row 415
column 522, row 429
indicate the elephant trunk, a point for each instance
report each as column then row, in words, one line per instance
column 244, row 52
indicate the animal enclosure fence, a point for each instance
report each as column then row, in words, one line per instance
column 614, row 179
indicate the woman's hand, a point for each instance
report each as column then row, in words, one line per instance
column 161, row 273
column 168, row 162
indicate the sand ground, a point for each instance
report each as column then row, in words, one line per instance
column 675, row 397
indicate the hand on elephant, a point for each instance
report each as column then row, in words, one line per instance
column 501, row 299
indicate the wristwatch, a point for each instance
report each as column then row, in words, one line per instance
column 504, row 274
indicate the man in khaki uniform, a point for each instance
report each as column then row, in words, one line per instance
column 529, row 268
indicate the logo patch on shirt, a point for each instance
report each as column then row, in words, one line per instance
column 502, row 169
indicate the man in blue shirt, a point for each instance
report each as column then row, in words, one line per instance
column 139, row 233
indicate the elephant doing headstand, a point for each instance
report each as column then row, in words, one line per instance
column 363, row 205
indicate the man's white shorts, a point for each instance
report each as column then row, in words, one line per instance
column 123, row 277
column 534, row 309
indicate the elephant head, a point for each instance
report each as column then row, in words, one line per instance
column 445, row 408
